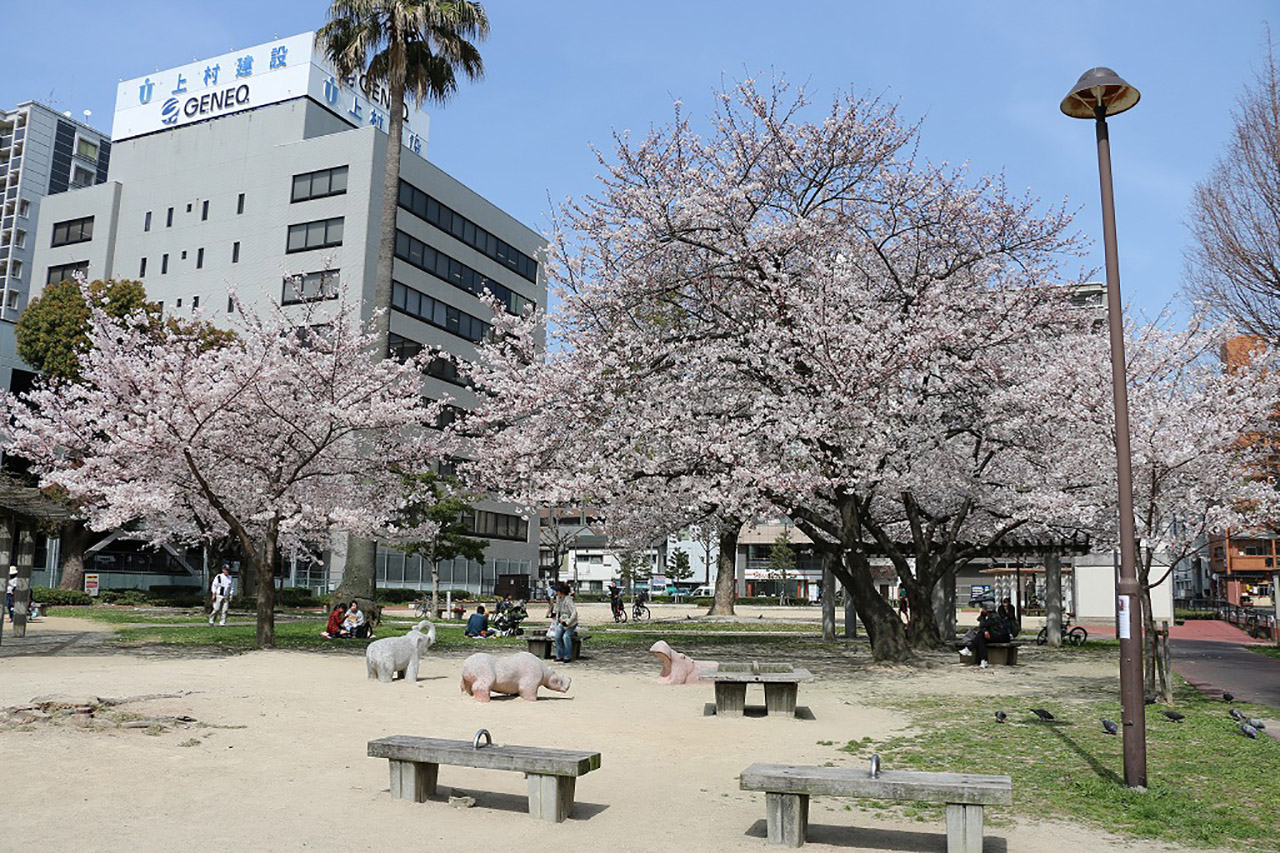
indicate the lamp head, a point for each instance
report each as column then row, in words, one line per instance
column 1099, row 87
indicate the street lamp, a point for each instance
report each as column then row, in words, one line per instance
column 1099, row 93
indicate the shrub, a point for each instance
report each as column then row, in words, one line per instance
column 1179, row 613
column 292, row 596
column 130, row 597
column 396, row 595
column 48, row 597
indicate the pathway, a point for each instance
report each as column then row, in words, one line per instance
column 1211, row 655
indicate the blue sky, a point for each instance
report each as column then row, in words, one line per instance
column 986, row 76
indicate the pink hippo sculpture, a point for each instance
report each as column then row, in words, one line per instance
column 679, row 668
column 521, row 673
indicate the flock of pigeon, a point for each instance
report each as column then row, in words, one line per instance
column 1249, row 726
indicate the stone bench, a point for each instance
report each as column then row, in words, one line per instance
column 552, row 773
column 542, row 646
column 788, row 788
column 999, row 654
column 781, row 684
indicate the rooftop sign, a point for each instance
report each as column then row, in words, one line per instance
column 269, row 73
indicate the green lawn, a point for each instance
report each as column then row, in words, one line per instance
column 1269, row 651
column 302, row 634
column 1208, row 784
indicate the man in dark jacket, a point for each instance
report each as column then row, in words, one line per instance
column 990, row 630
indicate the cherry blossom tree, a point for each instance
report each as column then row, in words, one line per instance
column 293, row 430
column 806, row 317
column 1200, row 433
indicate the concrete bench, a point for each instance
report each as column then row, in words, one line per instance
column 781, row 684
column 552, row 773
column 540, row 645
column 999, row 654
column 788, row 788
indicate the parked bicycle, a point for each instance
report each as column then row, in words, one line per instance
column 1071, row 635
column 639, row 610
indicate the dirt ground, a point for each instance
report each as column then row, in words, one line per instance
column 276, row 759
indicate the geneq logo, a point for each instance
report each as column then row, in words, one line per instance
column 169, row 112
column 213, row 102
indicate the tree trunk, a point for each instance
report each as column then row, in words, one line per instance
column 828, row 598
column 1053, row 598
column 726, row 567
column 922, row 627
column 884, row 628
column 359, row 574
column 73, row 538
column 266, row 590
column 850, row 615
column 943, row 600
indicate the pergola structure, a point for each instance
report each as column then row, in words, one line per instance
column 23, row 510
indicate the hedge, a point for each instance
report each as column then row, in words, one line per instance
column 71, row 597
column 1179, row 613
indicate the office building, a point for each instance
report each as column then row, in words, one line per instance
column 261, row 172
column 42, row 153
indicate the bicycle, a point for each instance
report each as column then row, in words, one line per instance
column 1074, row 636
column 619, row 611
column 639, row 611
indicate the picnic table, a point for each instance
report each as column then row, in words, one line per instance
column 781, row 682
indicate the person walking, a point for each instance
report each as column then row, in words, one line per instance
column 220, row 592
column 10, row 590
column 566, row 616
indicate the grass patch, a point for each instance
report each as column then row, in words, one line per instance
column 1269, row 651
column 132, row 615
column 698, row 626
column 297, row 635
column 1209, row 785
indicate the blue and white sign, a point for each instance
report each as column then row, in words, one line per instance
column 269, row 73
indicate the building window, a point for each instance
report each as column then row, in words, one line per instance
column 81, row 177
column 321, row 184
column 321, row 234
column 200, row 258
column 401, row 348
column 178, row 304
column 495, row 525
column 235, row 252
column 24, row 208
column 19, row 238
column 66, row 272
column 87, row 148
column 240, row 204
column 12, row 299
column 168, row 219
column 309, row 287
column 164, row 264
column 231, row 305
column 461, row 276
column 456, row 225
column 15, row 268
column 72, row 231
column 195, row 302
column 142, row 268
column 204, row 210
column 146, row 222
column 421, row 306
column 188, row 207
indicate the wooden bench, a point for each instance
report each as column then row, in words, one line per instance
column 552, row 773
column 543, row 646
column 788, row 788
column 781, row 682
column 999, row 654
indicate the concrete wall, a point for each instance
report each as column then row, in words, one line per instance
column 1095, row 593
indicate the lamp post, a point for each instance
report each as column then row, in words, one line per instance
column 1099, row 93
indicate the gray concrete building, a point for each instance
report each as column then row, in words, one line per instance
column 269, row 184
column 42, row 153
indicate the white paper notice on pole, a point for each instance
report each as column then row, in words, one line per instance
column 1122, row 617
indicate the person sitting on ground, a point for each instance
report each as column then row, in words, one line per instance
column 478, row 624
column 354, row 624
column 334, row 629
column 990, row 630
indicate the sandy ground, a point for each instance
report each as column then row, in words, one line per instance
column 289, row 770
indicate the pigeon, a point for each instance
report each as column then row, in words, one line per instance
column 1227, row 697
column 1257, row 724
column 1109, row 727
column 1001, row 716
column 1174, row 715
column 1149, row 700
column 1249, row 731
column 1236, row 715
column 1043, row 714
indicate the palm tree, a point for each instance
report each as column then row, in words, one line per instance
column 415, row 48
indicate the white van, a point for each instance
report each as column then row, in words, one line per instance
column 704, row 592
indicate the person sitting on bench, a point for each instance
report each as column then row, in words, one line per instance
column 478, row 624
column 354, row 625
column 990, row 630
column 334, row 628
